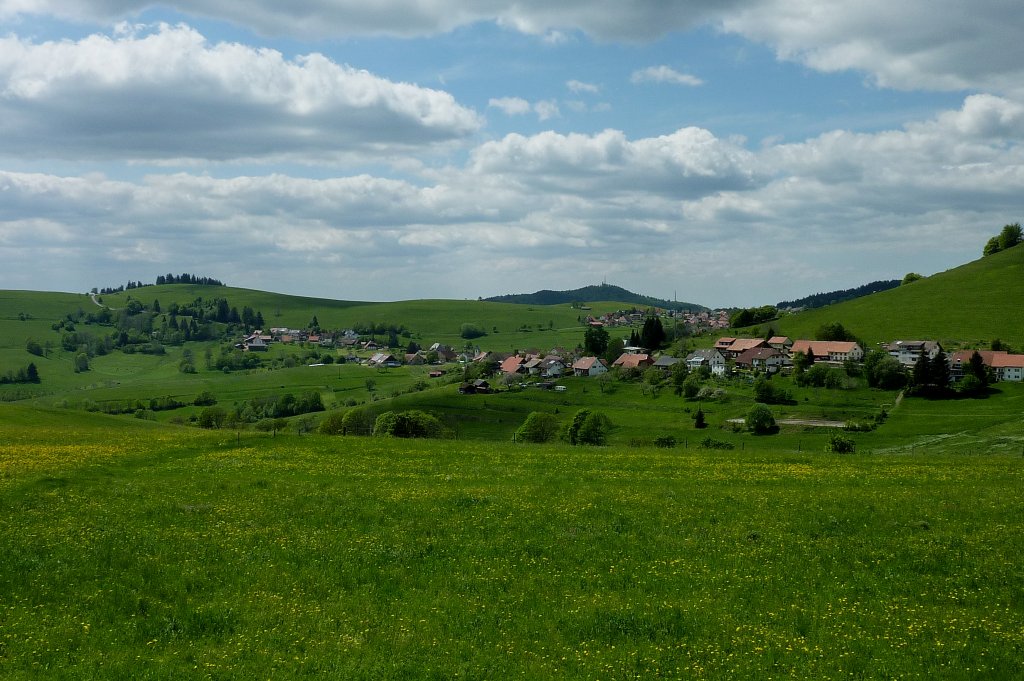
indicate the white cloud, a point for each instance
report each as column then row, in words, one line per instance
column 912, row 44
column 512, row 106
column 169, row 94
column 547, row 109
column 664, row 74
column 579, row 86
column 605, row 19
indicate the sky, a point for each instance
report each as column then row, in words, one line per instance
column 721, row 152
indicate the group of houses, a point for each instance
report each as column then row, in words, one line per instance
column 696, row 322
column 758, row 355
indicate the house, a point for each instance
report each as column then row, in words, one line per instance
column 381, row 359
column 256, row 344
column 533, row 366
column 666, row 362
column 513, row 365
column 1008, row 367
column 836, row 352
column 908, row 352
column 733, row 347
column 766, row 360
column 415, row 359
column 780, row 343
column 477, row 387
column 552, row 367
column 709, row 357
column 1003, row 365
column 589, row 366
column 633, row 361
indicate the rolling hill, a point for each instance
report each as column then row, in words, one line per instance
column 593, row 294
column 968, row 305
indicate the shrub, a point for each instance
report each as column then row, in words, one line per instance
column 587, row 428
column 665, row 441
column 760, row 420
column 840, row 444
column 698, row 419
column 538, row 427
column 333, row 424
column 205, row 399
column 711, row 443
column 410, row 424
column 212, row 417
column 357, row 422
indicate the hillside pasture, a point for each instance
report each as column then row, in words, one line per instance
column 132, row 549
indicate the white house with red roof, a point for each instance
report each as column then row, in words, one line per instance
column 830, row 351
column 589, row 366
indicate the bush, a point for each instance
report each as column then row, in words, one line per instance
column 665, row 441
column 357, row 422
column 212, row 417
column 470, row 331
column 840, row 444
column 205, row 399
column 711, row 443
column 409, row 424
column 333, row 424
column 538, row 427
column 760, row 420
column 587, row 428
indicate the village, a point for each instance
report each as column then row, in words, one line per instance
column 728, row 356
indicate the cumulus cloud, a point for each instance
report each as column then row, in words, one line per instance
column 913, row 44
column 605, row 19
column 517, row 106
column 838, row 209
column 664, row 74
column 169, row 94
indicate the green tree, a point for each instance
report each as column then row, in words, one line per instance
column 470, row 331
column 212, row 417
column 595, row 340
column 652, row 335
column 31, row 373
column 81, row 362
column 594, row 430
column 833, row 331
column 538, row 427
column 698, row 419
column 34, row 347
column 760, row 420
column 976, row 367
column 883, row 371
column 1010, row 236
column 357, row 422
column 910, row 278
column 408, row 424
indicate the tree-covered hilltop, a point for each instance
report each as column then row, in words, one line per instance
column 832, row 297
column 593, row 294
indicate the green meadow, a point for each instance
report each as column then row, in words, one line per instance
column 130, row 549
column 139, row 546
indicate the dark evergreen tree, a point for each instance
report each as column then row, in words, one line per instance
column 653, row 334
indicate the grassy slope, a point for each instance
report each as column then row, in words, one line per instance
column 431, row 320
column 971, row 304
column 135, row 550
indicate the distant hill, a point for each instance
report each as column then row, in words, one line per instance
column 833, row 297
column 593, row 294
column 970, row 305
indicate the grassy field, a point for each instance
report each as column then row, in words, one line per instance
column 133, row 549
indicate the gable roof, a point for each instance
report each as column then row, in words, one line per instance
column 587, row 363
column 631, row 360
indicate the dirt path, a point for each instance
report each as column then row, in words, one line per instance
column 816, row 423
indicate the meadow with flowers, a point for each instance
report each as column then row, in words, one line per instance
column 133, row 549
